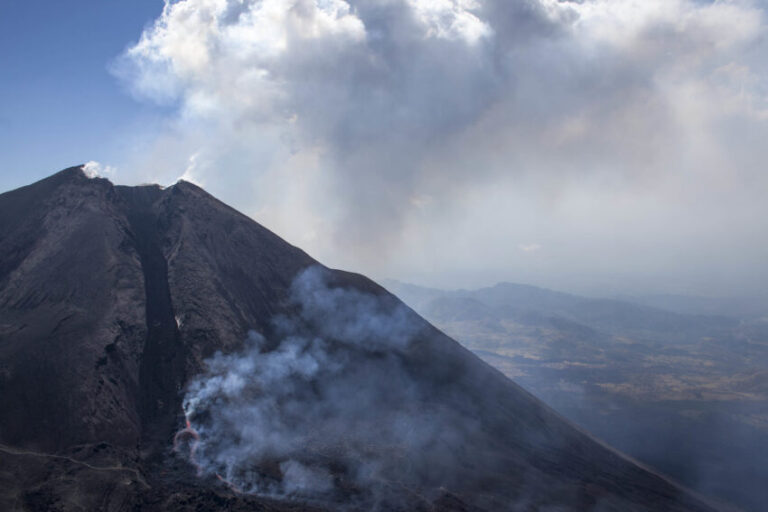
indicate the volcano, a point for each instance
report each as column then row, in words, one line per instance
column 161, row 351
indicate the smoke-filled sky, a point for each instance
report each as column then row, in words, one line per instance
column 598, row 146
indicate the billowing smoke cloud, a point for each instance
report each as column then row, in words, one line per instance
column 394, row 135
column 329, row 405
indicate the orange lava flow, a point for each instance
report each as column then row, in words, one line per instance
column 188, row 432
column 229, row 484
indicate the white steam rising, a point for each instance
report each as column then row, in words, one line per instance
column 95, row 169
column 330, row 400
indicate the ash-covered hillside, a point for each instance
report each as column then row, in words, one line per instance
column 161, row 351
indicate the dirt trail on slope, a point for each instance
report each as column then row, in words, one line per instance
column 15, row 451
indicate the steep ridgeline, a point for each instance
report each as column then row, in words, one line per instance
column 161, row 351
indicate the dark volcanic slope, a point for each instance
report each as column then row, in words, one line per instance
column 112, row 297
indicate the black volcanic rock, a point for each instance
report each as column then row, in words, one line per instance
column 112, row 298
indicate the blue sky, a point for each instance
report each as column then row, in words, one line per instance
column 59, row 104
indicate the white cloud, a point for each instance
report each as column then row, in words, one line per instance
column 334, row 119
column 451, row 19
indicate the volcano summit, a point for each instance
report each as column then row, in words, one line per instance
column 161, row 351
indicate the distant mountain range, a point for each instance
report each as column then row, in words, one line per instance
column 737, row 307
column 519, row 300
column 161, row 351
column 685, row 393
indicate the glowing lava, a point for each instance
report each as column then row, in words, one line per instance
column 229, row 484
column 190, row 436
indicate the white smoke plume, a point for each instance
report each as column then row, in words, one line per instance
column 329, row 403
column 396, row 136
column 95, row 169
